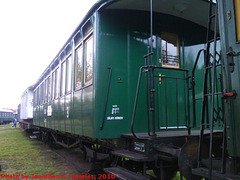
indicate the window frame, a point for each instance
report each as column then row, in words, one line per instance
column 178, row 50
column 48, row 88
column 68, row 85
column 42, row 92
column 63, row 78
column 57, row 83
column 87, row 39
column 80, row 47
column 53, row 85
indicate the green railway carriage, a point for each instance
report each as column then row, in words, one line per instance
column 6, row 116
column 138, row 80
column 73, row 94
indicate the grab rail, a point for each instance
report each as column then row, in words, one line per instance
column 107, row 95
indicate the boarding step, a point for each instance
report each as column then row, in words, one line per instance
column 138, row 157
column 124, row 174
column 204, row 172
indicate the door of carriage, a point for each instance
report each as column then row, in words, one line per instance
column 173, row 98
column 173, row 87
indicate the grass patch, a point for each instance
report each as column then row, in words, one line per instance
column 21, row 155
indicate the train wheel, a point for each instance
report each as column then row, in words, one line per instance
column 169, row 171
column 188, row 156
column 84, row 152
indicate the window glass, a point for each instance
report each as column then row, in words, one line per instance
column 87, row 28
column 35, row 98
column 170, row 55
column 63, row 82
column 49, row 88
column 46, row 90
column 88, row 61
column 57, row 79
column 53, row 84
column 69, row 73
column 42, row 93
column 38, row 98
column 78, row 67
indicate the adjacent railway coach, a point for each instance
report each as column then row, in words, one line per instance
column 6, row 116
column 25, row 109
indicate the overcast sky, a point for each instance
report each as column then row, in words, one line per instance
column 31, row 34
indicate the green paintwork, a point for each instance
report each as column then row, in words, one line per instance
column 122, row 46
column 172, row 99
column 6, row 116
column 230, row 79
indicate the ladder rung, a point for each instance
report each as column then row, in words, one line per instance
column 212, row 40
column 212, row 16
column 213, row 123
column 218, row 93
column 209, row 67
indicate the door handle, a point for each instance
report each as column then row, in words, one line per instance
column 160, row 78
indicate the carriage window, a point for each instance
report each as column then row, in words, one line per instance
column 69, row 73
column 88, row 61
column 37, row 92
column 78, row 67
column 53, row 84
column 170, row 50
column 47, row 89
column 40, row 95
column 63, row 82
column 57, row 78
column 42, row 92
column 34, row 98
column 37, row 97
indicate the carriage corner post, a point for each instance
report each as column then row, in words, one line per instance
column 158, row 90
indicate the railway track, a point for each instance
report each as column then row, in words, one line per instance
column 74, row 158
